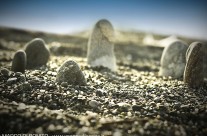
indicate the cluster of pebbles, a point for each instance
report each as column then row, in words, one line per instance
column 67, row 96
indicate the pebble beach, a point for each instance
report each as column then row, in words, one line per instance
column 133, row 100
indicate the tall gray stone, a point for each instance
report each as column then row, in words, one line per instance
column 173, row 60
column 71, row 73
column 37, row 53
column 19, row 61
column 101, row 47
column 194, row 69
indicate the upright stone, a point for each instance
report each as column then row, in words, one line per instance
column 101, row 47
column 37, row 53
column 19, row 61
column 194, row 69
column 173, row 60
column 71, row 73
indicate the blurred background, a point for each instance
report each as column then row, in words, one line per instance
column 171, row 17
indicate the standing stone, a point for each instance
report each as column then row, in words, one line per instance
column 194, row 72
column 101, row 47
column 71, row 73
column 19, row 61
column 173, row 60
column 37, row 53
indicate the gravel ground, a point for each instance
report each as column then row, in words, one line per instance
column 132, row 101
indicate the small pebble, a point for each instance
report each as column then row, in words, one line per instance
column 94, row 103
column 37, row 53
column 19, row 61
column 71, row 73
column 136, row 107
column 123, row 107
column 22, row 106
column 51, row 127
column 39, row 130
column 100, row 92
column 11, row 80
column 64, row 84
column 101, row 47
column 42, row 91
column 18, row 74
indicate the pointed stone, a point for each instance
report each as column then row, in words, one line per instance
column 37, row 53
column 173, row 60
column 71, row 73
column 101, row 47
column 194, row 69
column 19, row 61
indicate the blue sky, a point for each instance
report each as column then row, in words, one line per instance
column 183, row 17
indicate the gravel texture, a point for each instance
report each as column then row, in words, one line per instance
column 134, row 100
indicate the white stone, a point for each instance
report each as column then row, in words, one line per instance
column 173, row 60
column 101, row 47
column 149, row 40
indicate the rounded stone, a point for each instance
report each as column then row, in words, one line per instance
column 93, row 104
column 11, row 80
column 173, row 60
column 71, row 73
column 19, row 61
column 5, row 72
column 37, row 53
column 64, row 84
column 100, row 92
column 194, row 69
column 100, row 46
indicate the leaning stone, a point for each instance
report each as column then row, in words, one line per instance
column 19, row 61
column 37, row 53
column 71, row 73
column 101, row 47
column 173, row 60
column 194, row 69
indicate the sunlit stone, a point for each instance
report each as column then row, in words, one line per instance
column 101, row 47
column 173, row 60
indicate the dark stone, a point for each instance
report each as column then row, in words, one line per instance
column 19, row 61
column 194, row 69
column 37, row 53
